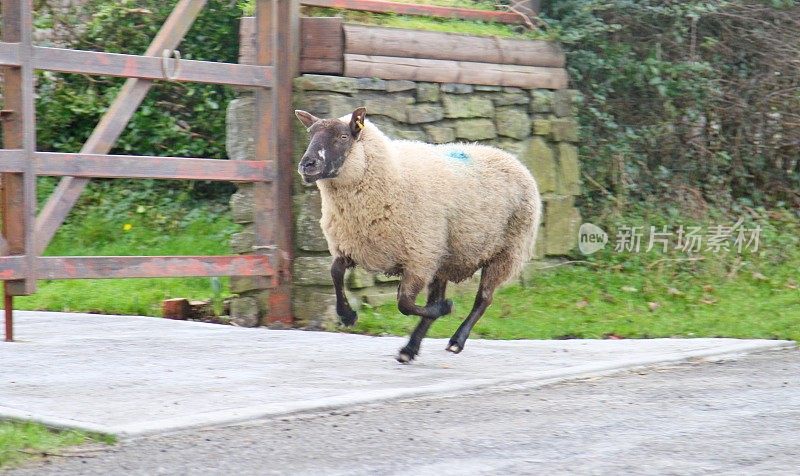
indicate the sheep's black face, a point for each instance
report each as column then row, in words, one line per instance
column 331, row 139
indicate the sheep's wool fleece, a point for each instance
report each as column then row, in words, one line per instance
column 420, row 209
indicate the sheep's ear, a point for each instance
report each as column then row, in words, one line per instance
column 357, row 121
column 306, row 117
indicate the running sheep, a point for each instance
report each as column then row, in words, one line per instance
column 431, row 214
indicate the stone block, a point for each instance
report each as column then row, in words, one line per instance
column 539, row 246
column 565, row 102
column 327, row 105
column 317, row 82
column 307, row 212
column 475, row 129
column 312, row 270
column 541, row 101
column 242, row 284
column 511, row 96
column 240, row 129
column 339, row 105
column 420, row 113
column 394, row 86
column 262, row 298
column 358, row 278
column 314, row 307
column 373, row 84
column 243, row 241
column 542, row 127
column 564, row 130
column 427, row 92
column 457, row 88
column 389, row 106
column 439, row 135
column 513, row 147
column 317, row 104
column 512, row 122
column 562, row 221
column 487, row 88
column 569, row 170
column 241, row 204
column 388, row 126
column 467, row 106
column 244, row 311
column 406, row 134
column 540, row 160
column 378, row 296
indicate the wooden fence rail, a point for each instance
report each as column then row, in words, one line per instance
column 137, row 166
column 330, row 46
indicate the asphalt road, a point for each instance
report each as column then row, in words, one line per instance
column 737, row 417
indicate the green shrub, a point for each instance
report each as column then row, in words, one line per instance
column 686, row 102
column 175, row 119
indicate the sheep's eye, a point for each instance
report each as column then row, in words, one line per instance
column 343, row 137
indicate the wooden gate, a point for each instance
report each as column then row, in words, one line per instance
column 26, row 234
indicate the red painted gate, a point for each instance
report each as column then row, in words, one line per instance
column 26, row 234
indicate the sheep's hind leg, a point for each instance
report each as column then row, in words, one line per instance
column 436, row 292
column 346, row 313
column 407, row 293
column 493, row 275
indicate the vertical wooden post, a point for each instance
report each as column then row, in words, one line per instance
column 277, row 43
column 8, row 307
column 19, row 132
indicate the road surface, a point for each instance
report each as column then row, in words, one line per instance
column 739, row 416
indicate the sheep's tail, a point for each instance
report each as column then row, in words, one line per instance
column 535, row 226
column 529, row 217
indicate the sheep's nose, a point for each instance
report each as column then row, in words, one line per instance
column 310, row 164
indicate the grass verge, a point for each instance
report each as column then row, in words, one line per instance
column 202, row 230
column 24, row 440
column 644, row 295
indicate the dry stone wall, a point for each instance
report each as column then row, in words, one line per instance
column 537, row 125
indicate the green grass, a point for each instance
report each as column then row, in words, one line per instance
column 577, row 302
column 424, row 23
column 23, row 440
column 637, row 296
column 202, row 231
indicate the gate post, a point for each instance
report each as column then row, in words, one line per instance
column 18, row 194
column 277, row 42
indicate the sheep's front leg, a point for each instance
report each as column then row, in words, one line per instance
column 436, row 292
column 346, row 313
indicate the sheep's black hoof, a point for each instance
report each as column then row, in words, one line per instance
column 406, row 355
column 445, row 307
column 347, row 317
column 454, row 347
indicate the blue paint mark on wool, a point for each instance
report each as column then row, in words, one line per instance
column 459, row 155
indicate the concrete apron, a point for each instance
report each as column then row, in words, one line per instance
column 128, row 375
